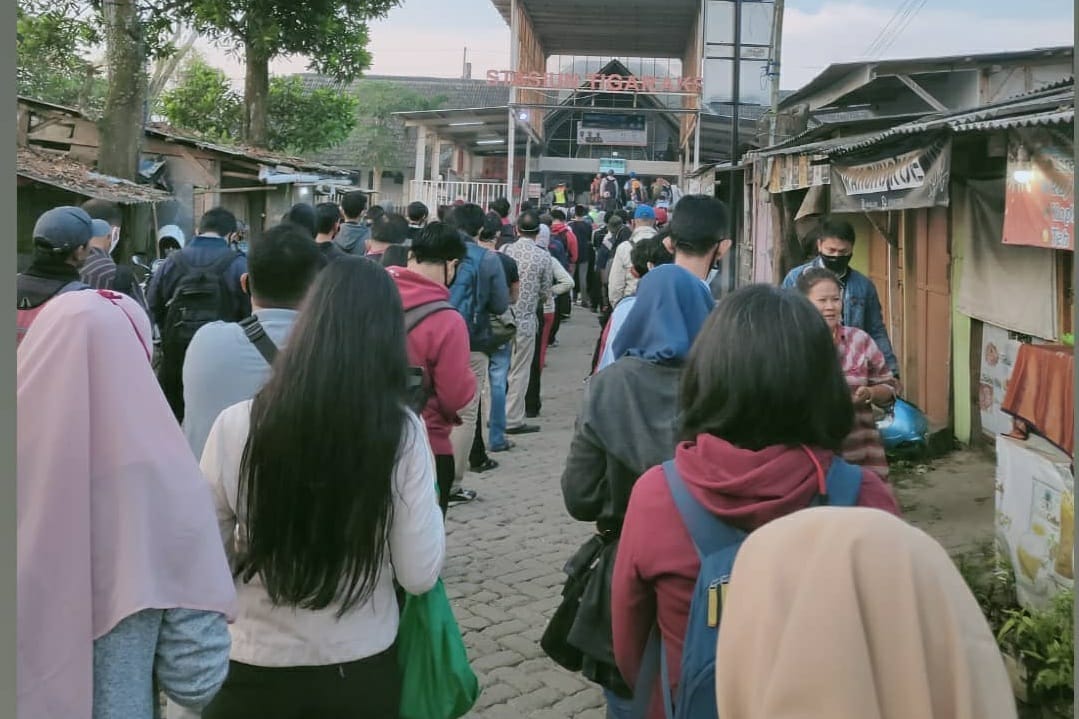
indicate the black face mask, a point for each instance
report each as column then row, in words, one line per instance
column 836, row 263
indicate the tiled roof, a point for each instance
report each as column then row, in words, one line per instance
column 58, row 170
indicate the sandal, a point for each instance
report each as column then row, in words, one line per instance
column 486, row 466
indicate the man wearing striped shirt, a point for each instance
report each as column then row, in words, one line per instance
column 100, row 271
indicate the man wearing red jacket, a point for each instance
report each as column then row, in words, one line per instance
column 438, row 340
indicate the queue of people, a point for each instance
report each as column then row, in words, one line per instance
column 243, row 537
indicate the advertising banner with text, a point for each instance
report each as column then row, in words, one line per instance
column 1039, row 205
column 912, row 175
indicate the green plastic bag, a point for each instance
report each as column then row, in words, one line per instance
column 436, row 679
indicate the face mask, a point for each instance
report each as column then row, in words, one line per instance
column 836, row 263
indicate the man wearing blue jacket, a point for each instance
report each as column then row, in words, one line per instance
column 861, row 304
column 479, row 291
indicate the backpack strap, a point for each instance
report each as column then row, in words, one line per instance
column 256, row 334
column 844, row 481
column 419, row 313
column 709, row 533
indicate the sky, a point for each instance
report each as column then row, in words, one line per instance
column 427, row 37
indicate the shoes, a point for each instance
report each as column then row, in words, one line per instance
column 532, row 414
column 552, row 343
column 523, row 429
column 504, row 448
column 486, row 466
column 461, row 495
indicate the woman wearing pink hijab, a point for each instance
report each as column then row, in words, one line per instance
column 123, row 586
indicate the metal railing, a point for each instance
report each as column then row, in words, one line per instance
column 433, row 194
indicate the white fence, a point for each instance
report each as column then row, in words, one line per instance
column 433, row 194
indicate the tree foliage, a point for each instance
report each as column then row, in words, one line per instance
column 52, row 56
column 299, row 120
column 378, row 133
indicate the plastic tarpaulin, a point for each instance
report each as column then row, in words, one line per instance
column 1009, row 286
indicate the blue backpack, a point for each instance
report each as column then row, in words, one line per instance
column 467, row 296
column 717, row 543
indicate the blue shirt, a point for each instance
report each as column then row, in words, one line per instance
column 861, row 307
column 201, row 250
column 223, row 368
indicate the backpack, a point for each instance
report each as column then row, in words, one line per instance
column 466, row 297
column 200, row 297
column 420, row 388
column 717, row 543
column 25, row 317
column 559, row 248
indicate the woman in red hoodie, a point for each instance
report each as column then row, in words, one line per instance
column 763, row 401
column 438, row 342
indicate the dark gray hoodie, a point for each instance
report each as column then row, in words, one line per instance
column 353, row 237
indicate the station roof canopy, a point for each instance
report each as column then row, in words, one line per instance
column 484, row 130
column 642, row 28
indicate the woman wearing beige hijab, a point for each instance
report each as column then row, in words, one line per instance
column 844, row 613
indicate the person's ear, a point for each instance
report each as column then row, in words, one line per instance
column 668, row 242
column 724, row 248
column 245, row 283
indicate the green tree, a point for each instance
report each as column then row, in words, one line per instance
column 332, row 34
column 52, row 58
column 203, row 102
column 299, row 120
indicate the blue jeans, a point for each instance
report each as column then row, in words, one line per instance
column 617, row 707
column 499, row 372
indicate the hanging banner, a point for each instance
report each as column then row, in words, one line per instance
column 798, row 172
column 904, row 178
column 1039, row 206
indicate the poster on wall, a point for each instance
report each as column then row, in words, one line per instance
column 907, row 177
column 1039, row 206
column 1035, row 517
column 998, row 358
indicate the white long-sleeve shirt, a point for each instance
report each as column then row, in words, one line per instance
column 563, row 283
column 273, row 636
column 621, row 282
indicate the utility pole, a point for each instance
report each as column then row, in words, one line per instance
column 736, row 101
column 777, row 46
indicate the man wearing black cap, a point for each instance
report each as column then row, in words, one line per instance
column 61, row 239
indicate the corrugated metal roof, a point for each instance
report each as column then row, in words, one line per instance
column 59, row 171
column 1042, row 118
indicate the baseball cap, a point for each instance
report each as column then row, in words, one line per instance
column 644, row 212
column 100, row 228
column 661, row 215
column 63, row 229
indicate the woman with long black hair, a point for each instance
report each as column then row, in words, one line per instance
column 325, row 493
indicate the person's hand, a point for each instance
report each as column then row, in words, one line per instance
column 863, row 395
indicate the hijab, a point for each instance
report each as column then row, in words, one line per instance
column 172, row 231
column 543, row 239
column 670, row 308
column 114, row 515
column 844, row 613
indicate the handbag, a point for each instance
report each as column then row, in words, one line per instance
column 555, row 641
column 436, row 679
column 503, row 330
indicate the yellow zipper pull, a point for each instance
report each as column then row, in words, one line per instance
column 713, row 605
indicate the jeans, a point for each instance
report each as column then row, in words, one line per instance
column 617, row 707
column 499, row 374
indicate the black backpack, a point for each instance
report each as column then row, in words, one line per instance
column 419, row 385
column 200, row 297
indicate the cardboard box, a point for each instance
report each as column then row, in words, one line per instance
column 1035, row 517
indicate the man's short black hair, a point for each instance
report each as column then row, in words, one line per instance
column 282, row 264
column 492, row 227
column 469, row 219
column 580, row 211
column 528, row 223
column 391, row 229
column 833, row 228
column 559, row 215
column 438, row 242
column 218, row 220
column 354, row 203
column 417, row 212
column 764, row 372
column 502, row 207
column 650, row 250
column 700, row 222
column 376, row 214
column 104, row 210
column 327, row 215
column 303, row 214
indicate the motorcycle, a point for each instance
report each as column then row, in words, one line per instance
column 143, row 274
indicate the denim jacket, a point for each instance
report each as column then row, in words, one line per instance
column 861, row 308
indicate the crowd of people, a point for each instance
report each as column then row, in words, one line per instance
column 260, row 456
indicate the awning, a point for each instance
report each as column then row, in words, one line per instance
column 63, row 173
column 484, row 130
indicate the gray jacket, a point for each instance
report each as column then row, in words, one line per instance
column 353, row 237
